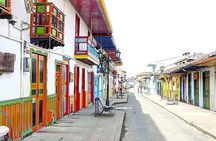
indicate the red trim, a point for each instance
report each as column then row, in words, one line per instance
column 77, row 50
column 102, row 34
column 76, row 90
column 83, row 89
column 77, row 26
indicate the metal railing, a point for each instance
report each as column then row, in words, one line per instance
column 92, row 51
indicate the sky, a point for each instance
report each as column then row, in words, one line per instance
column 146, row 31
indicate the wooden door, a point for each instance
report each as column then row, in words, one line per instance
column 38, row 91
column 206, row 86
column 196, row 89
column 65, row 90
column 59, row 90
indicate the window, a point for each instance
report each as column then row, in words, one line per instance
column 3, row 2
column 33, row 70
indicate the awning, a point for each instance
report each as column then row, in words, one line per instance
column 184, row 68
column 106, row 42
column 94, row 14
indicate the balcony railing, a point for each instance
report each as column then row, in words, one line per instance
column 84, row 49
column 47, row 25
column 92, row 51
column 5, row 9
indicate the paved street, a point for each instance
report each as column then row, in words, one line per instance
column 146, row 121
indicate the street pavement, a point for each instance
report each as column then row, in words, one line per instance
column 202, row 119
column 146, row 121
column 84, row 126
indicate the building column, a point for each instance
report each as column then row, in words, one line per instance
column 181, row 88
column 212, row 89
column 187, row 88
column 192, row 87
column 201, row 89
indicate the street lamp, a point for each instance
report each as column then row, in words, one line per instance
column 118, row 54
column 104, row 67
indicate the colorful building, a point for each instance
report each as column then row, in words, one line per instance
column 194, row 81
column 48, row 60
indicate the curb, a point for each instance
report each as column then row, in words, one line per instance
column 186, row 121
column 126, row 101
column 119, row 128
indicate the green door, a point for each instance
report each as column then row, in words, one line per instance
column 196, row 89
column 206, row 99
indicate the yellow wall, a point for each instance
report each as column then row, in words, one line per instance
column 171, row 86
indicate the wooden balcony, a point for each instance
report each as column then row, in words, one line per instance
column 85, row 51
column 5, row 9
column 47, row 25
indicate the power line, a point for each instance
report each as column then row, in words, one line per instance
column 167, row 59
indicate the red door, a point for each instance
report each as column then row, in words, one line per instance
column 76, row 89
column 83, row 89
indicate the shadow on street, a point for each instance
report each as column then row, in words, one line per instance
column 137, row 125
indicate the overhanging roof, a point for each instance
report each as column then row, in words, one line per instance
column 206, row 62
column 94, row 14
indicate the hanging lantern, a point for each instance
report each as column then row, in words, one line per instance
column 118, row 54
column 97, row 46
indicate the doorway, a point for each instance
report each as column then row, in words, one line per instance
column 76, row 88
column 196, row 89
column 189, row 89
column 83, row 89
column 58, row 90
column 91, row 87
column 62, row 90
column 206, row 90
column 38, row 90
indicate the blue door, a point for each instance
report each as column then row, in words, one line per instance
column 189, row 88
column 96, row 87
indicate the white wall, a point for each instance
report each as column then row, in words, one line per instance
column 201, row 89
column 212, row 89
column 71, row 84
column 83, row 28
column 13, row 90
column 10, row 82
column 69, row 38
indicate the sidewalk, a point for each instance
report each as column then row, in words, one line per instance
column 120, row 99
column 202, row 119
column 84, row 126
